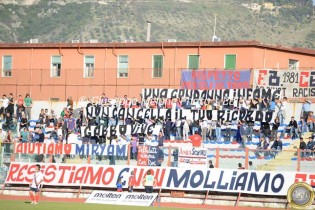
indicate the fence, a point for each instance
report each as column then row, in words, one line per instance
column 225, row 158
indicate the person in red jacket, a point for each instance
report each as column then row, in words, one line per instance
column 131, row 182
column 195, row 139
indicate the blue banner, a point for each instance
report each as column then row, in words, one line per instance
column 215, row 79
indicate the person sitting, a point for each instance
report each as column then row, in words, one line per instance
column 276, row 147
column 310, row 122
column 8, row 121
column 293, row 127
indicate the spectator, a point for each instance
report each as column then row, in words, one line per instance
column 160, row 139
column 311, row 121
column 175, row 156
column 302, row 147
column 265, row 129
column 2, row 136
column 204, row 129
column 69, row 103
column 302, row 127
column 274, row 130
column 23, row 121
column 19, row 107
column 25, row 135
column 10, row 107
column 306, row 108
column 276, row 147
column 210, row 164
column 8, row 121
column 160, row 156
column 8, row 141
column 218, row 130
column 282, row 107
column 167, row 129
column 240, row 166
column 196, row 139
column 28, row 106
column 251, row 166
column 148, row 182
column 244, row 131
column 41, row 136
column 310, row 146
column 293, row 127
column 262, row 146
column 119, row 186
column 185, row 129
column 179, row 129
column 5, row 104
column 131, row 182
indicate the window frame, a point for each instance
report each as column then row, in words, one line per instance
column 225, row 60
column 294, row 67
column 85, row 68
column 3, row 72
column 118, row 67
column 158, row 69
column 52, row 65
column 188, row 63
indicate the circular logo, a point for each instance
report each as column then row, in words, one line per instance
column 300, row 195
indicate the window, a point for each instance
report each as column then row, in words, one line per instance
column 230, row 62
column 123, row 66
column 89, row 66
column 55, row 66
column 193, row 61
column 157, row 65
column 293, row 64
column 7, row 66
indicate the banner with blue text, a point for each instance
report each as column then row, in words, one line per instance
column 188, row 179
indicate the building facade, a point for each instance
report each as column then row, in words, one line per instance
column 58, row 70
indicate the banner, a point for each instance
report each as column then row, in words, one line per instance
column 214, row 79
column 292, row 83
column 71, row 149
column 137, row 113
column 223, row 94
column 147, row 156
column 115, row 130
column 192, row 157
column 189, row 179
column 122, row 198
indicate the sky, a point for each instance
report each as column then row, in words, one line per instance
column 313, row 2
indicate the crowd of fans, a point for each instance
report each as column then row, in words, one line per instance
column 16, row 118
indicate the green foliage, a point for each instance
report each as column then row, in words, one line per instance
column 193, row 21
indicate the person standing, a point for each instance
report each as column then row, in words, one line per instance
column 149, row 182
column 131, row 182
column 244, row 131
column 38, row 178
column 28, row 106
column 251, row 166
column 119, row 186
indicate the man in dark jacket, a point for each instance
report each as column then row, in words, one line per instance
column 302, row 147
column 293, row 127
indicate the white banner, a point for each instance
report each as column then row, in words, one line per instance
column 192, row 157
column 113, row 130
column 292, row 83
column 247, row 93
column 122, row 198
column 228, row 115
column 71, row 149
column 188, row 179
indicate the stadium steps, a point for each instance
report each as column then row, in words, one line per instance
column 283, row 158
